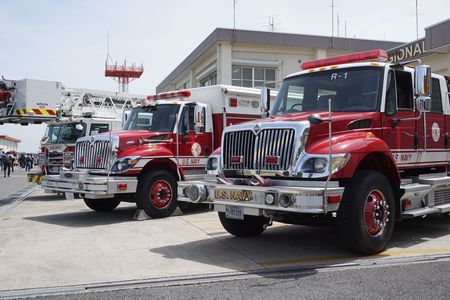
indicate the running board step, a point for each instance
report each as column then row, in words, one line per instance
column 420, row 212
column 443, row 208
column 435, row 180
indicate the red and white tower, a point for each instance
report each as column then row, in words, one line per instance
column 122, row 74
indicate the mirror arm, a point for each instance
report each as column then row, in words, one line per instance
column 395, row 122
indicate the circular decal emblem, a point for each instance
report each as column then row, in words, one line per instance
column 196, row 149
column 435, row 132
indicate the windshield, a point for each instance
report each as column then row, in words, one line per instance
column 350, row 90
column 64, row 133
column 160, row 118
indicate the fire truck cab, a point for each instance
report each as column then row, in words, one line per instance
column 351, row 140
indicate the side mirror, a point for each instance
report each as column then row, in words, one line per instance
column 199, row 119
column 423, row 104
column 422, row 80
column 79, row 127
column 265, row 100
column 315, row 119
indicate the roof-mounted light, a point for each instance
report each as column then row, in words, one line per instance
column 170, row 95
column 373, row 55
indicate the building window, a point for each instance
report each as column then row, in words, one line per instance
column 209, row 80
column 253, row 76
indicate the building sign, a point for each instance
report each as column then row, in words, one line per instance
column 407, row 52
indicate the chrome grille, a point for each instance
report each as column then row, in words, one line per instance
column 93, row 155
column 252, row 150
column 55, row 159
column 441, row 196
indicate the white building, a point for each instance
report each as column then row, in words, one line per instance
column 253, row 58
column 8, row 143
column 433, row 49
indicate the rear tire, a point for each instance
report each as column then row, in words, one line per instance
column 366, row 215
column 250, row 226
column 157, row 194
column 102, row 205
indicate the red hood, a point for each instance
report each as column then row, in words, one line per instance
column 303, row 116
column 130, row 138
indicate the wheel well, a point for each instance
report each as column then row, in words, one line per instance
column 382, row 163
column 162, row 164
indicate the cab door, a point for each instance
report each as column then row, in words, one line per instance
column 398, row 121
column 434, row 127
column 194, row 144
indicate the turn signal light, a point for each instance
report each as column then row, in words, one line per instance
column 406, row 203
column 122, row 186
column 334, row 199
column 272, row 160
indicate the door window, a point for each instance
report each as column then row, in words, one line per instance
column 436, row 100
column 97, row 128
column 187, row 120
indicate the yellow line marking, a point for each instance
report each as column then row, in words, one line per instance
column 201, row 221
column 304, row 260
column 414, row 251
column 213, row 229
column 338, row 257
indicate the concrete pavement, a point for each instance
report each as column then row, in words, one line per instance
column 17, row 180
column 47, row 241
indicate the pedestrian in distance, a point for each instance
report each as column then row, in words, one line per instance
column 6, row 165
column 27, row 163
column 12, row 159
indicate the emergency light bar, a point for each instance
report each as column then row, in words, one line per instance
column 379, row 55
column 169, row 95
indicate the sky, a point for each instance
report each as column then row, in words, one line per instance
column 67, row 41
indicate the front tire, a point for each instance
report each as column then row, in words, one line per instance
column 102, row 205
column 157, row 194
column 250, row 226
column 366, row 215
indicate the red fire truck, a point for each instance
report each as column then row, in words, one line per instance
column 165, row 139
column 351, row 140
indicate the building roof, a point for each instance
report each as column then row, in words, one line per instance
column 437, row 36
column 8, row 138
column 275, row 39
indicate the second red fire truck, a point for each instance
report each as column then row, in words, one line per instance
column 165, row 139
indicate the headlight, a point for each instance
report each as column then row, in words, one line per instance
column 213, row 163
column 315, row 165
column 125, row 163
column 320, row 164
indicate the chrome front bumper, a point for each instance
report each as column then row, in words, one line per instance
column 92, row 186
column 302, row 199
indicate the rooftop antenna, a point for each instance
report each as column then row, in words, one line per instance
column 345, row 28
column 338, row 25
column 234, row 19
column 417, row 19
column 332, row 23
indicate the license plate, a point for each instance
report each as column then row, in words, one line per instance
column 70, row 196
column 232, row 212
column 235, row 195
